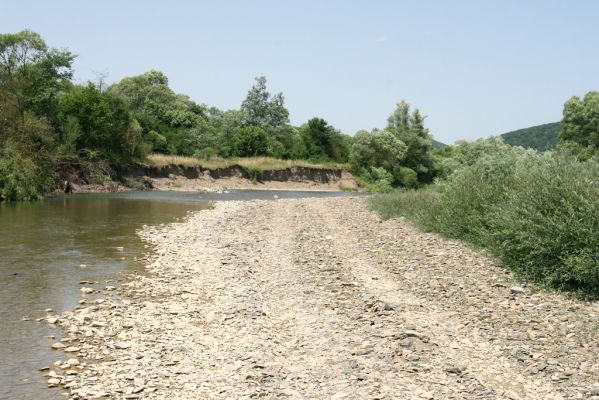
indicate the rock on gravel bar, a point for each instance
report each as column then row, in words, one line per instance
column 319, row 299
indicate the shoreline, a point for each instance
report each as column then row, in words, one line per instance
column 177, row 178
column 311, row 299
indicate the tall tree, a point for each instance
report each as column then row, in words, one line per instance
column 104, row 121
column 323, row 141
column 261, row 109
column 409, row 128
column 31, row 73
column 581, row 121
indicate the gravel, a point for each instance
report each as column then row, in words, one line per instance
column 320, row 299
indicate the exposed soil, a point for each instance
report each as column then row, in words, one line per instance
column 320, row 299
column 173, row 177
column 343, row 181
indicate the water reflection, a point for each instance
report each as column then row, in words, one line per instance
column 43, row 248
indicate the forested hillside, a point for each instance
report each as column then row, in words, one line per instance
column 540, row 137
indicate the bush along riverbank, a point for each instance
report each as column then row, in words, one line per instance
column 538, row 213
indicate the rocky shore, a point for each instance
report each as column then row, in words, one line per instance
column 320, row 299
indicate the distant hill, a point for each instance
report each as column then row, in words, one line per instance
column 438, row 145
column 540, row 137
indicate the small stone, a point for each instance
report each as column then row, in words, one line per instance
column 122, row 345
column 52, row 320
column 86, row 290
column 517, row 290
column 58, row 346
column 456, row 369
column 53, row 382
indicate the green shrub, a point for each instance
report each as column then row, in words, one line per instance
column 376, row 179
column 538, row 213
column 412, row 204
column 253, row 173
column 251, row 141
column 405, row 177
column 547, row 227
column 20, row 178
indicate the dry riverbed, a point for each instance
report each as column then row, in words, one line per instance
column 319, row 299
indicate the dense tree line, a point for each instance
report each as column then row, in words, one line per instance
column 46, row 118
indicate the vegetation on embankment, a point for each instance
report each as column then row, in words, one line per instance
column 47, row 120
column 537, row 212
column 261, row 163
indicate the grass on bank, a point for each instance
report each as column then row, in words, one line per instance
column 253, row 163
column 537, row 213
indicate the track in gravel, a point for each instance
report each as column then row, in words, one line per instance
column 317, row 298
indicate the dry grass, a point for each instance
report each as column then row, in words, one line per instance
column 262, row 163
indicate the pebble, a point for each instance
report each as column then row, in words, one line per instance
column 256, row 300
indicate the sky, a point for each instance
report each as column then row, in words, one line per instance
column 474, row 68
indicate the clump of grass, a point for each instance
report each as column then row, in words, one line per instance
column 411, row 204
column 162, row 160
column 255, row 163
column 538, row 213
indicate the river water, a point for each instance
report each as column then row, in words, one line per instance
column 48, row 247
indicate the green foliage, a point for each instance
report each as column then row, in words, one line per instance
column 261, row 109
column 461, row 154
column 409, row 128
column 323, row 142
column 540, row 137
column 412, row 204
column 45, row 116
column 31, row 73
column 20, row 177
column 403, row 149
column 405, row 176
column 377, row 180
column 379, row 149
column 169, row 122
column 104, row 122
column 546, row 229
column 581, row 121
column 251, row 141
column 537, row 213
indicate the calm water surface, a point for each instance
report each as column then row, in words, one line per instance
column 48, row 247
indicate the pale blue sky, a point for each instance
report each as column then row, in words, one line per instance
column 475, row 68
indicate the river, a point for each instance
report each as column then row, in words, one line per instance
column 48, row 247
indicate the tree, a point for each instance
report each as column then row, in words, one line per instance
column 581, row 121
column 32, row 74
column 323, row 141
column 376, row 149
column 261, row 109
column 164, row 114
column 409, row 128
column 105, row 124
column 251, row 141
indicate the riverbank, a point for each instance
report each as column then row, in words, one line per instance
column 319, row 298
column 220, row 176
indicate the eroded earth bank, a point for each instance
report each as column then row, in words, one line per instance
column 319, row 299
